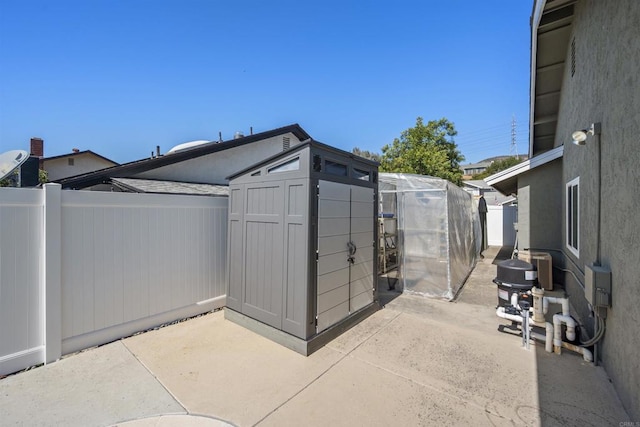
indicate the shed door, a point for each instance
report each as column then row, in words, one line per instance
column 345, row 279
column 263, row 253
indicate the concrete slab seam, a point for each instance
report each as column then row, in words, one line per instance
column 156, row 378
column 345, row 355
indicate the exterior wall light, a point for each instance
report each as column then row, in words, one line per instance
column 580, row 136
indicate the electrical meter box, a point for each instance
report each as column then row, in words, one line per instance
column 597, row 285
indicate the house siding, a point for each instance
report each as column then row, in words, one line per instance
column 214, row 168
column 606, row 88
column 59, row 168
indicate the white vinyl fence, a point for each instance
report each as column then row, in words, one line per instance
column 500, row 229
column 81, row 268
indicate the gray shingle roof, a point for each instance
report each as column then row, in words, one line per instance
column 169, row 187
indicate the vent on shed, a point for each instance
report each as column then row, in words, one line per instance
column 286, row 143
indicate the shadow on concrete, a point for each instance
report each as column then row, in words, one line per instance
column 389, row 287
column 571, row 391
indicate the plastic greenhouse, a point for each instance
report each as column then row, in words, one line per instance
column 437, row 232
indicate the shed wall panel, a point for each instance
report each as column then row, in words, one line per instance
column 333, row 316
column 334, row 297
column 333, row 226
column 332, row 280
column 361, row 300
column 296, row 256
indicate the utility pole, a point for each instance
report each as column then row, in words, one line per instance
column 514, row 147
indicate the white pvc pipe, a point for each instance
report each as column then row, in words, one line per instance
column 514, row 299
column 548, row 345
column 547, row 339
column 554, row 331
column 586, row 354
column 556, row 300
column 558, row 320
column 514, row 317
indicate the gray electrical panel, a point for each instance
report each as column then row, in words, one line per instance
column 597, row 285
column 302, row 253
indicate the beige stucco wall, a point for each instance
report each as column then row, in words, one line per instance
column 606, row 89
column 215, row 167
column 82, row 163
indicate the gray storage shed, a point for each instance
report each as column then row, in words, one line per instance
column 302, row 233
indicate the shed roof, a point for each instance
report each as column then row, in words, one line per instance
column 307, row 143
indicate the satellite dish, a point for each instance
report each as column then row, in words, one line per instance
column 10, row 161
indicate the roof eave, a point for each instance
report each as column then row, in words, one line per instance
column 506, row 181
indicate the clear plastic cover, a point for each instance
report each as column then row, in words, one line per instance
column 438, row 229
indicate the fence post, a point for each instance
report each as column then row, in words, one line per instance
column 52, row 272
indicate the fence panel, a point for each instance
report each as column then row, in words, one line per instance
column 133, row 261
column 500, row 228
column 21, row 284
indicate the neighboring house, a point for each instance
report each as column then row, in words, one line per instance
column 479, row 187
column 580, row 202
column 204, row 163
column 474, row 168
column 75, row 163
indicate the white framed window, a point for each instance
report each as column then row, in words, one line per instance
column 573, row 216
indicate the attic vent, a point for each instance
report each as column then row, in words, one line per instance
column 70, row 161
column 573, row 56
column 286, row 143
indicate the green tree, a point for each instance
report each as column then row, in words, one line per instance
column 497, row 166
column 366, row 154
column 43, row 176
column 10, row 180
column 425, row 149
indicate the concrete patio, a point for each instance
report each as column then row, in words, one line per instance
column 415, row 362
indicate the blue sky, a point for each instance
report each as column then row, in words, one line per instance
column 120, row 77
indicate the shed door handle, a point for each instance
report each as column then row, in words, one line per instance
column 352, row 248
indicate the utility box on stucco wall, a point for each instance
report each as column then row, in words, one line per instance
column 302, row 253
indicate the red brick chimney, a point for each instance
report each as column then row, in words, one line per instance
column 37, row 147
column 37, row 150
